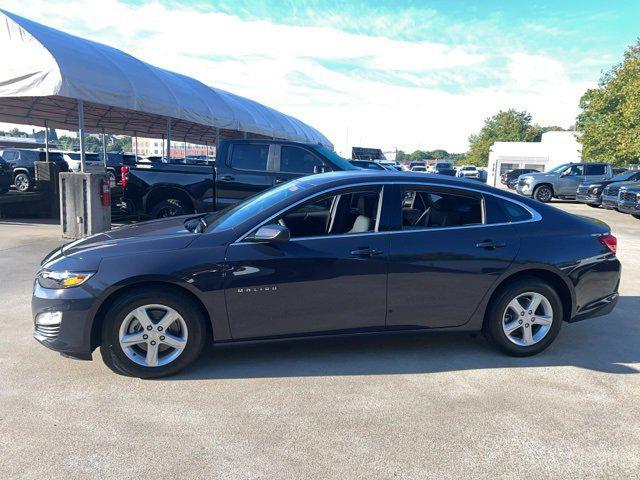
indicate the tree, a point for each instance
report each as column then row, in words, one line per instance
column 505, row 126
column 610, row 114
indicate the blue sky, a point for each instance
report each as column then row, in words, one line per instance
column 394, row 74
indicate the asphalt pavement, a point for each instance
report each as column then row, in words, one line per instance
column 440, row 406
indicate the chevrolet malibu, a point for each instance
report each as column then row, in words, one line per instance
column 334, row 253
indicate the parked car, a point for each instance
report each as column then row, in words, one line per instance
column 367, row 164
column 419, row 168
column 444, row 169
column 510, row 178
column 562, row 181
column 591, row 193
column 629, row 199
column 417, row 164
column 468, row 171
column 390, row 165
column 341, row 252
column 242, row 168
column 611, row 194
column 93, row 161
column 22, row 162
column 6, row 176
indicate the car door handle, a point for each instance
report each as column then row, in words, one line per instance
column 366, row 252
column 226, row 178
column 490, row 244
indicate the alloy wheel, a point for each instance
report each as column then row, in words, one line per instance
column 543, row 194
column 527, row 319
column 153, row 335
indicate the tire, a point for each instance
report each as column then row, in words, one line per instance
column 3, row 191
column 593, row 206
column 500, row 315
column 121, row 320
column 22, row 182
column 543, row 193
column 636, row 215
column 171, row 207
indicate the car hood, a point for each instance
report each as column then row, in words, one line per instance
column 154, row 236
column 631, row 186
column 538, row 175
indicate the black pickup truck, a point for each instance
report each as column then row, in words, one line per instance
column 242, row 168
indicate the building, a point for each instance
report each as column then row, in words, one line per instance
column 21, row 142
column 554, row 149
column 156, row 146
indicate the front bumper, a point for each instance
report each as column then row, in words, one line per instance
column 72, row 337
column 524, row 189
column 610, row 203
column 588, row 198
column 629, row 207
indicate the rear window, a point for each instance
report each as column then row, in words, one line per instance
column 298, row 160
column 595, row 169
column 250, row 157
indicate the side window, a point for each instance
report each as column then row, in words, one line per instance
column 343, row 213
column 576, row 170
column 515, row 213
column 425, row 208
column 9, row 155
column 249, row 157
column 595, row 169
column 299, row 160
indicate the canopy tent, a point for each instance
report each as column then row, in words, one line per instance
column 47, row 73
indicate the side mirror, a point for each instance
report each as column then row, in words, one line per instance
column 270, row 233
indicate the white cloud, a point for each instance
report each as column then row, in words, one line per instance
column 270, row 62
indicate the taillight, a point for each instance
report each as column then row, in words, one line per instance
column 609, row 241
column 123, row 175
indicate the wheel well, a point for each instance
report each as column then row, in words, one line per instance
column 549, row 277
column 16, row 171
column 98, row 319
column 164, row 193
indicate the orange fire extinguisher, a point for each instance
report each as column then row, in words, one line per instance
column 105, row 193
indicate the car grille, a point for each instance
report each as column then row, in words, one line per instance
column 48, row 331
column 612, row 191
column 628, row 196
column 522, row 183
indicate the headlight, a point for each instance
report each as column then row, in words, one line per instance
column 66, row 279
column 595, row 190
column 528, row 179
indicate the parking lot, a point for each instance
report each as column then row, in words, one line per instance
column 402, row 407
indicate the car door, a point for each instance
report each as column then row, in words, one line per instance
column 444, row 256
column 294, row 161
column 330, row 276
column 248, row 169
column 570, row 179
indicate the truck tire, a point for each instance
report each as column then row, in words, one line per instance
column 636, row 215
column 543, row 193
column 172, row 207
column 22, row 182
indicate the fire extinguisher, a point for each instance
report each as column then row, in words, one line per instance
column 105, row 192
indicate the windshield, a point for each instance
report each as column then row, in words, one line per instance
column 337, row 160
column 559, row 168
column 233, row 216
column 469, row 168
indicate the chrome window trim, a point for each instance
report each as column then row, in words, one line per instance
column 535, row 215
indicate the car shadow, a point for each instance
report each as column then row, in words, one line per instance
column 606, row 344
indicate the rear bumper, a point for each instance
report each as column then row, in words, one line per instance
column 598, row 308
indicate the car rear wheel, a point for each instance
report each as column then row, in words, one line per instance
column 543, row 193
column 592, row 205
column 22, row 182
column 152, row 333
column 524, row 318
column 171, row 207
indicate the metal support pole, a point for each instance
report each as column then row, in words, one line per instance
column 206, row 144
column 168, row 140
column 135, row 151
column 104, row 150
column 244, row 135
column 185, row 149
column 46, row 142
column 217, row 139
column 81, row 134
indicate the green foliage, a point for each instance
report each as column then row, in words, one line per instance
column 610, row 114
column 418, row 155
column 505, row 126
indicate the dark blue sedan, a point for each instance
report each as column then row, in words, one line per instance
column 342, row 252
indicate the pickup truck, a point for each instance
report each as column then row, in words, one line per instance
column 562, row 181
column 629, row 199
column 592, row 193
column 242, row 168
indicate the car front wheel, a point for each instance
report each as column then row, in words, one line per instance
column 22, row 182
column 524, row 318
column 543, row 193
column 152, row 333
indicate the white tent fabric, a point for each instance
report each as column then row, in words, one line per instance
column 46, row 71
